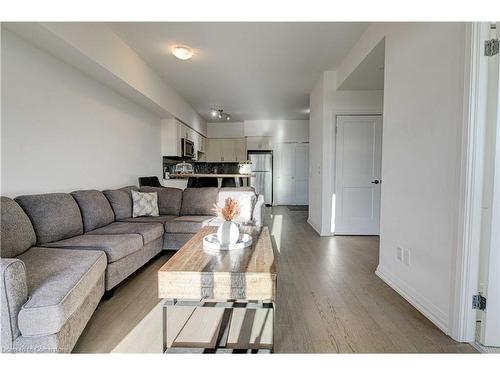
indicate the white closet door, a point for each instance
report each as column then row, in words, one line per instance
column 301, row 174
column 292, row 173
column 357, row 177
column 285, row 188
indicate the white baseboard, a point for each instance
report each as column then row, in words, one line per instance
column 422, row 304
column 318, row 230
column 313, row 226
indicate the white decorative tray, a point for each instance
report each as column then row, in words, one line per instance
column 210, row 242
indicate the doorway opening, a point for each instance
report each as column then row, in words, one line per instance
column 357, row 136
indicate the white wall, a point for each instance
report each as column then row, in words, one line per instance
column 326, row 103
column 421, row 161
column 62, row 130
column 316, row 124
column 280, row 130
column 422, row 109
column 96, row 50
column 225, row 130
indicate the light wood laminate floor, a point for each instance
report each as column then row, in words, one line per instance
column 329, row 301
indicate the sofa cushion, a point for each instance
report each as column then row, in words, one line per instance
column 150, row 219
column 95, row 208
column 58, row 283
column 16, row 232
column 199, row 201
column 129, row 188
column 148, row 231
column 120, row 201
column 187, row 224
column 116, row 246
column 169, row 199
column 54, row 216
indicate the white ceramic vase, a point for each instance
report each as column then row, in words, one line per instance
column 228, row 233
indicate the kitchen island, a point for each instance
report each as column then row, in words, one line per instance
column 219, row 176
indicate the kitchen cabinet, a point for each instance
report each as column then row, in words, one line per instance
column 259, row 143
column 213, row 151
column 240, row 150
column 203, row 144
column 172, row 132
column 291, row 172
column 226, row 149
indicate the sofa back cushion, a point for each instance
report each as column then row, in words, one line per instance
column 199, row 201
column 121, row 201
column 54, row 216
column 246, row 199
column 169, row 199
column 95, row 208
column 16, row 231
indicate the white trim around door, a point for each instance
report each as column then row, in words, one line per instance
column 358, row 159
column 465, row 278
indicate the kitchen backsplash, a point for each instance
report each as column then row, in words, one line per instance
column 201, row 167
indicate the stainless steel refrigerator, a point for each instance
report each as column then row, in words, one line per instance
column 262, row 167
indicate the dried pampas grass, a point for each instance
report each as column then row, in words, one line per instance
column 230, row 211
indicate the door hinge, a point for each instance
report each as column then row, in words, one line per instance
column 478, row 302
column 491, row 47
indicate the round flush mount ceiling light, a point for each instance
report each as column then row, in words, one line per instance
column 182, row 52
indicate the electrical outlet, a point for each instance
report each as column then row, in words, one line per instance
column 406, row 257
column 399, row 254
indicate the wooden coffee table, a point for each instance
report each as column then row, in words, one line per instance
column 219, row 301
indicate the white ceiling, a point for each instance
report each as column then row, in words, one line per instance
column 369, row 74
column 253, row 70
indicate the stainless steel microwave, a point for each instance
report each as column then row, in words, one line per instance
column 187, row 148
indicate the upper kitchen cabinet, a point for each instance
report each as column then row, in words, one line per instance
column 226, row 149
column 259, row 143
column 213, row 150
column 171, row 134
column 203, row 144
column 240, row 149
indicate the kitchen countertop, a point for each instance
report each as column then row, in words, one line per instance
column 216, row 175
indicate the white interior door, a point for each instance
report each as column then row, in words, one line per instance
column 489, row 334
column 358, row 175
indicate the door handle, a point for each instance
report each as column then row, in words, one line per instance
column 376, row 182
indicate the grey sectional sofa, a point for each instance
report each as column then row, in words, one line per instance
column 60, row 253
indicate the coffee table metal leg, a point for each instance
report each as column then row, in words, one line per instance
column 166, row 302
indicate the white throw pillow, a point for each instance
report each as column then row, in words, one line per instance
column 144, row 204
column 246, row 201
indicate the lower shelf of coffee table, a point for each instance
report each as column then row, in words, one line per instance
column 209, row 326
column 216, row 351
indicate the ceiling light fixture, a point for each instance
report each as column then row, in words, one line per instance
column 182, row 52
column 219, row 113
